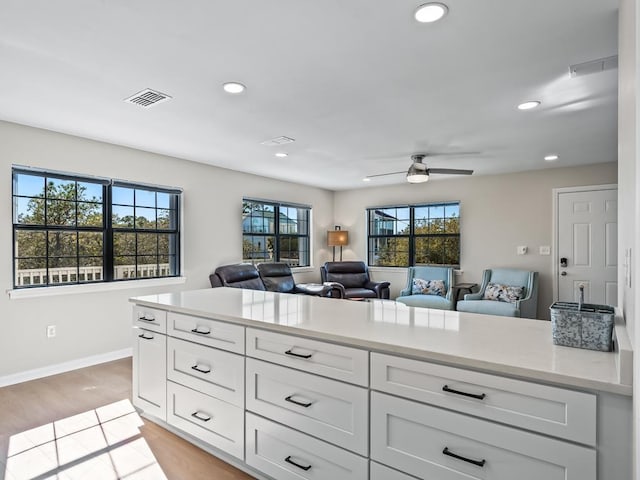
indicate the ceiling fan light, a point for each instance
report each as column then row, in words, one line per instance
column 417, row 177
column 417, row 172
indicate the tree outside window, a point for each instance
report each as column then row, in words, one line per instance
column 66, row 231
column 414, row 235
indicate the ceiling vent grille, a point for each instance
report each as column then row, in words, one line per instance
column 274, row 142
column 147, row 98
column 594, row 66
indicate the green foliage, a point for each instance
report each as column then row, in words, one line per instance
column 440, row 244
column 63, row 206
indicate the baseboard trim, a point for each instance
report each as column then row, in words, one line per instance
column 64, row 367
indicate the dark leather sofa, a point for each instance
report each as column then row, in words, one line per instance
column 274, row 277
column 353, row 278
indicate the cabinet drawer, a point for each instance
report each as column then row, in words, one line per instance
column 382, row 472
column 550, row 410
column 334, row 361
column 150, row 318
column 213, row 421
column 430, row 442
column 150, row 372
column 207, row 332
column 286, row 454
column 333, row 411
column 208, row 370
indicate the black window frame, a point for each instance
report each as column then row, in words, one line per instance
column 277, row 234
column 411, row 236
column 106, row 228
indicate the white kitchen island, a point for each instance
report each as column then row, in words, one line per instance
column 293, row 386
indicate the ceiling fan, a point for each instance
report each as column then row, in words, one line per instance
column 419, row 173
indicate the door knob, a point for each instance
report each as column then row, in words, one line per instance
column 564, row 274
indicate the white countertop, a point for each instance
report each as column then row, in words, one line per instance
column 504, row 345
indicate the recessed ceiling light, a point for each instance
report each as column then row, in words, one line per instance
column 528, row 105
column 552, row 157
column 281, row 154
column 366, row 179
column 430, row 12
column 233, row 87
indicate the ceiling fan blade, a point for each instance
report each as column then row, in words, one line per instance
column 450, row 154
column 450, row 171
column 385, row 174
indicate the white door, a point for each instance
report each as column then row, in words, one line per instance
column 587, row 241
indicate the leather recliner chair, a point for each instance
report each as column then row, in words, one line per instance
column 238, row 275
column 277, row 277
column 354, row 279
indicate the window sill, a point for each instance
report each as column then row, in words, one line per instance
column 93, row 287
column 456, row 271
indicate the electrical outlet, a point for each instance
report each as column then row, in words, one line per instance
column 522, row 250
column 545, row 250
column 51, row 331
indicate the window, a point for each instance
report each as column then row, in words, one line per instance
column 69, row 229
column 414, row 235
column 275, row 232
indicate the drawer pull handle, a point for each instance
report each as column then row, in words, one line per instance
column 299, row 355
column 201, row 332
column 145, row 319
column 201, row 416
column 144, row 337
column 479, row 463
column 458, row 392
column 201, row 370
column 302, row 404
column 303, row 467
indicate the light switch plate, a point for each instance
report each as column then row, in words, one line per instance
column 545, row 250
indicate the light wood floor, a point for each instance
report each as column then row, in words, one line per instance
column 80, row 425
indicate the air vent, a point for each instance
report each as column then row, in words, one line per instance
column 594, row 66
column 147, row 98
column 274, row 142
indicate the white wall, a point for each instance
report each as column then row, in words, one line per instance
column 497, row 213
column 628, row 198
column 89, row 324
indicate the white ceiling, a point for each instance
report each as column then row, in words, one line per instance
column 359, row 84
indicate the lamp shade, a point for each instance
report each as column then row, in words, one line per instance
column 337, row 238
column 417, row 173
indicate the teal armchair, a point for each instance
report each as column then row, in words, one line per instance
column 445, row 302
column 526, row 306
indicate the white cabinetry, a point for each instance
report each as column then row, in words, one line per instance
column 286, row 454
column 328, row 418
column 213, row 421
column 208, row 370
column 449, row 428
column 205, row 387
column 378, row 471
column 331, row 410
column 334, row 361
column 206, row 332
column 430, row 442
column 550, row 410
column 149, row 361
column 283, row 406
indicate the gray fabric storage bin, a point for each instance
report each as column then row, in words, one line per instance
column 589, row 327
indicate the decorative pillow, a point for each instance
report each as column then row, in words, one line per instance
column 503, row 293
column 428, row 287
